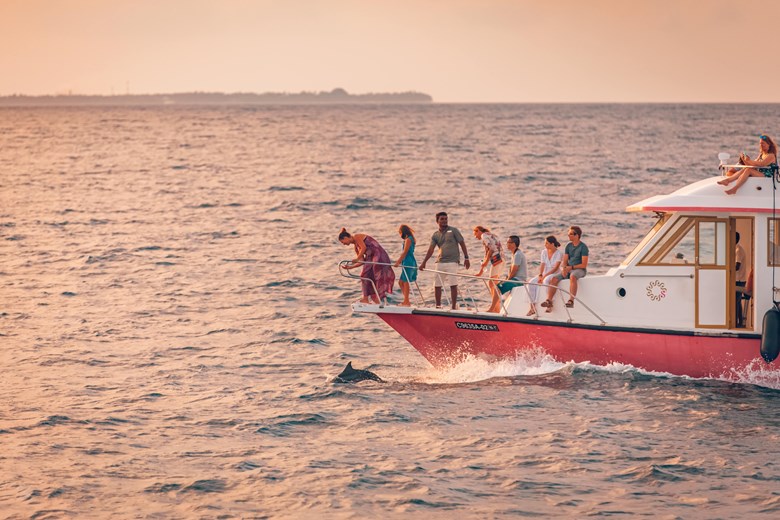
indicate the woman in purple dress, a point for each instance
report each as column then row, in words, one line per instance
column 367, row 249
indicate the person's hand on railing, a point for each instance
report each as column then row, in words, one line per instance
column 422, row 266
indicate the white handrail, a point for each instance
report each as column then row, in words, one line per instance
column 521, row 283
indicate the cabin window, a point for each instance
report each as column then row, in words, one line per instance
column 677, row 246
column 659, row 223
column 712, row 243
column 773, row 244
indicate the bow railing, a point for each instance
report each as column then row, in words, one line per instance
column 345, row 267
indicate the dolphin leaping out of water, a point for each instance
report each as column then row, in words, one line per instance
column 351, row 375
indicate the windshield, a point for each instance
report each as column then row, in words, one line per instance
column 662, row 218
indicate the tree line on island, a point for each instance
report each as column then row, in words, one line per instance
column 335, row 96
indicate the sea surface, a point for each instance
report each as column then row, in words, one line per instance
column 172, row 318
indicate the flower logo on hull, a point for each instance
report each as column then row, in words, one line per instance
column 656, row 291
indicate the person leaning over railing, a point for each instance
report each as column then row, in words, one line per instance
column 375, row 262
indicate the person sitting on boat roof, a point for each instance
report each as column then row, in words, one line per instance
column 447, row 239
column 407, row 262
column 549, row 266
column 375, row 262
column 518, row 269
column 765, row 165
column 573, row 267
column 494, row 257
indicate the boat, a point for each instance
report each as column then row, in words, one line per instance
column 669, row 307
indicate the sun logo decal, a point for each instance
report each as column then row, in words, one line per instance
column 656, row 291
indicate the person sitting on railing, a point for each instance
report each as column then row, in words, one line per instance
column 494, row 257
column 549, row 266
column 407, row 262
column 573, row 267
column 765, row 165
column 447, row 239
column 376, row 265
column 518, row 269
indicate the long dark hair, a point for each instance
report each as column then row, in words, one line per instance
column 554, row 241
column 406, row 231
column 771, row 143
column 344, row 234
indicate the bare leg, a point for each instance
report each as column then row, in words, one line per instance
column 743, row 177
column 573, row 286
column 454, row 294
column 437, row 295
column 405, row 291
column 731, row 176
column 495, row 303
column 553, row 288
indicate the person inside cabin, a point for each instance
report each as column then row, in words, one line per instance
column 447, row 239
column 494, row 257
column 549, row 266
column 375, row 262
column 765, row 165
column 573, row 267
column 518, row 269
column 407, row 262
column 741, row 280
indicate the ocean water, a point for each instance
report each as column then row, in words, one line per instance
column 172, row 318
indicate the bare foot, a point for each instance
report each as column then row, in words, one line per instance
column 404, row 304
column 724, row 182
column 531, row 312
column 732, row 191
column 364, row 300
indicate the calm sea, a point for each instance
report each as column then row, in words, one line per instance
column 171, row 318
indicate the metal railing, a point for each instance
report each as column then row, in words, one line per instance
column 468, row 298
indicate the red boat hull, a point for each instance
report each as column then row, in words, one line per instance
column 445, row 339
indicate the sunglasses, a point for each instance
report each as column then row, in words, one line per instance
column 763, row 137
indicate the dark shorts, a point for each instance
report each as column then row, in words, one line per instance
column 508, row 285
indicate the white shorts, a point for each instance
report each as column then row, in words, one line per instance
column 496, row 270
column 445, row 279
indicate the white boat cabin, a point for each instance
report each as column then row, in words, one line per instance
column 682, row 275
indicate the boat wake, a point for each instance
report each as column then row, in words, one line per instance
column 531, row 362
column 536, row 362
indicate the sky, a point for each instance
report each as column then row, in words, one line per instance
column 460, row 51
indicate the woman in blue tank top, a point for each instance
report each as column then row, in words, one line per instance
column 407, row 262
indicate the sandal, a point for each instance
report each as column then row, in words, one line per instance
column 570, row 303
column 547, row 303
column 549, row 309
column 530, row 313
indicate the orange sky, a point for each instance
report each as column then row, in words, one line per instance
column 455, row 50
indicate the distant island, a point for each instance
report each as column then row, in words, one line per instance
column 334, row 97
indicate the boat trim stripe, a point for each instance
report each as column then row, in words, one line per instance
column 608, row 328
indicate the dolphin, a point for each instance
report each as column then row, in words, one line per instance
column 351, row 375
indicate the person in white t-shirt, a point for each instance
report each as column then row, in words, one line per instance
column 549, row 266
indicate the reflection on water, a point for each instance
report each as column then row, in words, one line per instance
column 171, row 318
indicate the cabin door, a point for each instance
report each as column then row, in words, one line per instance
column 712, row 273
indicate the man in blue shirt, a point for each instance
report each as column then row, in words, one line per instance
column 573, row 267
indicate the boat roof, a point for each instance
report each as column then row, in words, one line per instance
column 755, row 196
